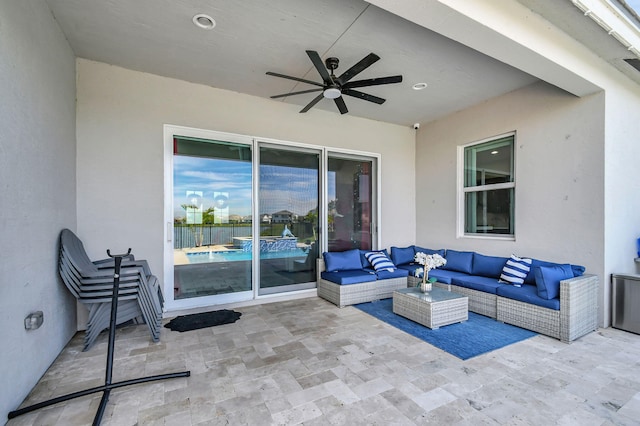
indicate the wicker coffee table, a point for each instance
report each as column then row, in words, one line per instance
column 433, row 309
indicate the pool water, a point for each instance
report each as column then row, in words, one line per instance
column 239, row 255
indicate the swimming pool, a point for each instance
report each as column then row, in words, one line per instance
column 238, row 255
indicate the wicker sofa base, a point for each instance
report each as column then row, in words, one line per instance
column 344, row 295
column 578, row 314
column 351, row 294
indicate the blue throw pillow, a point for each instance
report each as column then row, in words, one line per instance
column 460, row 261
column 379, row 261
column 342, row 260
column 363, row 258
column 515, row 270
column 402, row 255
column 578, row 270
column 548, row 279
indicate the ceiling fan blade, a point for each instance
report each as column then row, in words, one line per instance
column 312, row 103
column 363, row 96
column 284, row 95
column 275, row 74
column 341, row 105
column 364, row 63
column 317, row 62
column 374, row 81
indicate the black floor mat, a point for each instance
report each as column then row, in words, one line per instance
column 203, row 320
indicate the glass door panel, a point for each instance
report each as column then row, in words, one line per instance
column 288, row 208
column 212, row 230
column 350, row 190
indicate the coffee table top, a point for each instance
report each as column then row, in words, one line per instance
column 435, row 295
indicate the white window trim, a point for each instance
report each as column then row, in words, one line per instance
column 461, row 190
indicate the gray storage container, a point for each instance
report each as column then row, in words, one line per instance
column 625, row 302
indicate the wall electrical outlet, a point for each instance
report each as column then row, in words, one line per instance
column 34, row 320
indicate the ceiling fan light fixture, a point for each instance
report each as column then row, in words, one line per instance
column 332, row 93
column 203, row 21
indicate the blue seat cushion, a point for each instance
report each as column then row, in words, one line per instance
column 353, row 276
column 342, row 260
column 460, row 261
column 402, row 255
column 410, row 267
column 528, row 294
column 548, row 279
column 475, row 282
column 444, row 276
column 577, row 270
column 418, row 249
column 397, row 273
column 487, row 266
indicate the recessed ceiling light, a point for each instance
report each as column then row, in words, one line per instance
column 419, row 86
column 494, row 152
column 203, row 21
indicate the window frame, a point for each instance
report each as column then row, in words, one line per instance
column 462, row 190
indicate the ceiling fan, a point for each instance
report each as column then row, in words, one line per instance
column 333, row 87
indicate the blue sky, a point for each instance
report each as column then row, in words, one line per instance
column 281, row 188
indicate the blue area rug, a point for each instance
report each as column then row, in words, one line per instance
column 477, row 335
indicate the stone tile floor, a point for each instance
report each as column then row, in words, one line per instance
column 308, row 362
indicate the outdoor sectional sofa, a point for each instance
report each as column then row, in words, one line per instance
column 347, row 278
column 567, row 311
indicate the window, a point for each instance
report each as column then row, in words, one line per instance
column 489, row 187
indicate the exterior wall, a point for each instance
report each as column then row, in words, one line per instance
column 37, row 192
column 121, row 114
column 559, row 175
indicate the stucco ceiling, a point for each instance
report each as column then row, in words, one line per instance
column 255, row 36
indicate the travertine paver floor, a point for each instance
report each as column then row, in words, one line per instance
column 308, row 362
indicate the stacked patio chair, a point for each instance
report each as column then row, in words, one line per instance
column 139, row 296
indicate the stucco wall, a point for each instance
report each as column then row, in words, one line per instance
column 121, row 114
column 559, row 173
column 37, row 192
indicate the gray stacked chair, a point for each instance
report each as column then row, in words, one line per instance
column 140, row 297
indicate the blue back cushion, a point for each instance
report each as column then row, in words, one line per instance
column 418, row 249
column 548, row 279
column 460, row 261
column 577, row 270
column 488, row 266
column 342, row 260
column 402, row 255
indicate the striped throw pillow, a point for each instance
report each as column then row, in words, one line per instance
column 379, row 261
column 515, row 270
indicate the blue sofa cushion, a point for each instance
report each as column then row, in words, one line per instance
column 548, row 279
column 488, row 266
column 424, row 250
column 515, row 270
column 363, row 259
column 443, row 275
column 396, row 273
column 342, row 260
column 528, row 294
column 402, row 255
column 380, row 261
column 460, row 261
column 353, row 276
column 578, row 270
column 410, row 267
column 475, row 282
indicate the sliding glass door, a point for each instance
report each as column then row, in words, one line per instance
column 247, row 218
column 288, row 193
column 212, row 224
column 351, row 217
